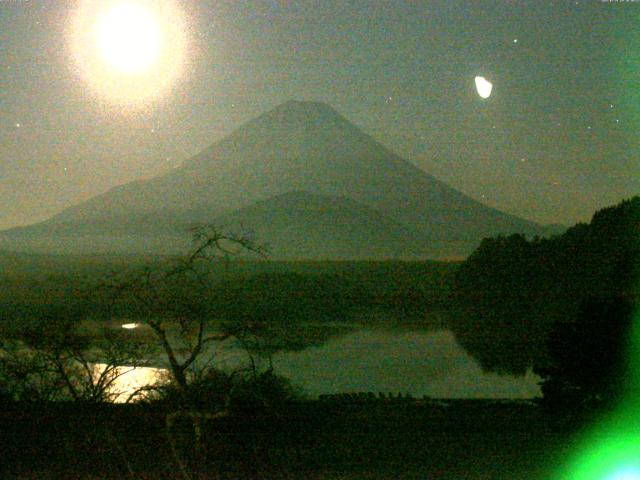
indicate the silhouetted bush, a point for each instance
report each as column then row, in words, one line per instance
column 589, row 357
column 262, row 392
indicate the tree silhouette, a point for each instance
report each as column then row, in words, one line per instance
column 52, row 359
column 589, row 357
column 513, row 290
column 171, row 298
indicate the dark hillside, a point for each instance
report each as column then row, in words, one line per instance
column 513, row 290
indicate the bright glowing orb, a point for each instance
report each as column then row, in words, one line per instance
column 129, row 37
column 128, row 51
column 612, row 453
column 483, row 86
column 625, row 474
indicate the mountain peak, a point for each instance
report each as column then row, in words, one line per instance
column 301, row 130
column 303, row 114
column 305, row 106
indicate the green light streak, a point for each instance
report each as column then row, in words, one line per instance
column 625, row 474
column 611, row 456
column 611, row 450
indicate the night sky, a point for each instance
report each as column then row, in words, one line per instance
column 557, row 139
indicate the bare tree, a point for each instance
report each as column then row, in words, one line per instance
column 55, row 361
column 170, row 297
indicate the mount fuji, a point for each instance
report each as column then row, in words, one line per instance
column 303, row 179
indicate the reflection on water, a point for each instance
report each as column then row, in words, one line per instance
column 130, row 326
column 408, row 361
column 412, row 361
column 128, row 380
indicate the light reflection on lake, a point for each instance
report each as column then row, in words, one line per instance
column 129, row 380
column 412, row 361
column 408, row 361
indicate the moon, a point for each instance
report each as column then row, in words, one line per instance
column 129, row 37
column 129, row 52
column 483, row 87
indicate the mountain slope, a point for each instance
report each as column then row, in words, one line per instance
column 298, row 146
column 331, row 227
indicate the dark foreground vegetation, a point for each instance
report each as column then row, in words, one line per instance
column 323, row 439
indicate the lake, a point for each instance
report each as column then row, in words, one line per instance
column 396, row 360
column 407, row 361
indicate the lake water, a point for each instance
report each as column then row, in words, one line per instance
column 387, row 360
column 406, row 361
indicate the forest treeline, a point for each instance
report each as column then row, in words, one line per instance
column 512, row 290
column 318, row 291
